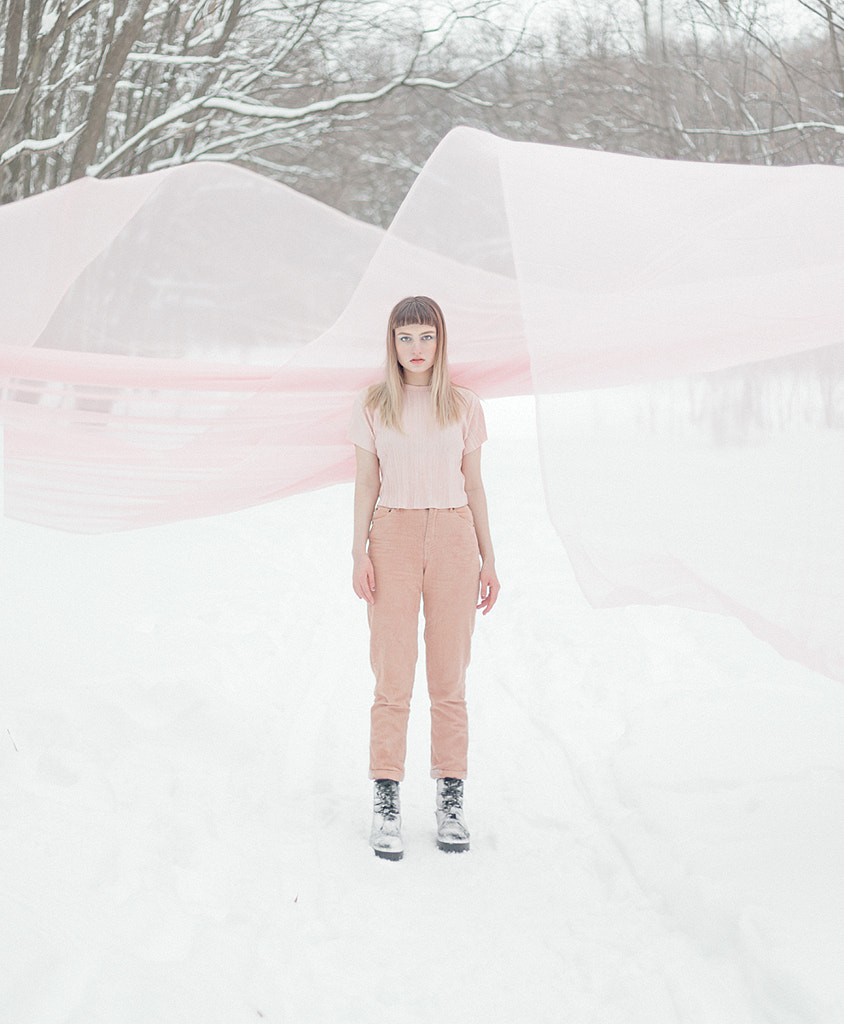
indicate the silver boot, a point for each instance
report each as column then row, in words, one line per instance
column 385, row 838
column 452, row 834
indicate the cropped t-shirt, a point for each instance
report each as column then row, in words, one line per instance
column 420, row 467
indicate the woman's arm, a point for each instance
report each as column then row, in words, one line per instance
column 476, row 497
column 367, row 488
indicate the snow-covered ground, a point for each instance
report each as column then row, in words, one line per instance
column 656, row 798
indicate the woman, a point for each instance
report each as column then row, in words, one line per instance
column 418, row 444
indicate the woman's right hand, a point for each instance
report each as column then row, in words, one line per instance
column 363, row 579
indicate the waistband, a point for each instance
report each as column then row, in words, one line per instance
column 398, row 508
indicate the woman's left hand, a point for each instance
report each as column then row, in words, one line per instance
column 489, row 587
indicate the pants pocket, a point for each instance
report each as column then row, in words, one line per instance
column 465, row 513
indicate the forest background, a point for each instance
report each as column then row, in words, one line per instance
column 344, row 100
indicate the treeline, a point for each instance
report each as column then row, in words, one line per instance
column 346, row 99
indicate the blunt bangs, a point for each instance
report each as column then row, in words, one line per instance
column 417, row 309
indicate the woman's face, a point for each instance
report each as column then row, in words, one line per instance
column 416, row 347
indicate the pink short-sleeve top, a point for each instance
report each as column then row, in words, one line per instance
column 420, row 465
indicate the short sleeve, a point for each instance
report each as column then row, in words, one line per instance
column 474, row 426
column 361, row 430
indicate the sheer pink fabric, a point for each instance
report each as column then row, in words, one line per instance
column 190, row 342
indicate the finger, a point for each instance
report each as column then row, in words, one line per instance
column 491, row 598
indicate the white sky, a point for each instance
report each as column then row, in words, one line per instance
column 792, row 14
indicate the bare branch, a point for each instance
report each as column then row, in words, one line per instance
column 38, row 145
column 774, row 130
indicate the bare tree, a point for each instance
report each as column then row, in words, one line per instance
column 346, row 99
column 101, row 88
column 698, row 80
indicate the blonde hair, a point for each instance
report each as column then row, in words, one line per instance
column 387, row 397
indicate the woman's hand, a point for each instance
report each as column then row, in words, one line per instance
column 363, row 579
column 489, row 587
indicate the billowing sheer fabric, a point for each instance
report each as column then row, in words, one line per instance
column 190, row 342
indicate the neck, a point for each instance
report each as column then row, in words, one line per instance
column 417, row 380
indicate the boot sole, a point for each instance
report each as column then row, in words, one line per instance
column 389, row 854
column 452, row 847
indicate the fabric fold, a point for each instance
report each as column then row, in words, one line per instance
column 195, row 344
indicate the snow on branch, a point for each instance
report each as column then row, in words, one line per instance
column 38, row 145
column 247, row 108
column 81, row 10
column 797, row 126
column 177, row 111
column 49, row 18
column 177, row 59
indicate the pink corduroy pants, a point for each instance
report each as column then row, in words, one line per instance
column 429, row 555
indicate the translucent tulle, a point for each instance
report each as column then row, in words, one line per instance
column 189, row 342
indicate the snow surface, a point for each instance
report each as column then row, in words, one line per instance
column 656, row 798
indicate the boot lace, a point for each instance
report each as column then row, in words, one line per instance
column 451, row 799
column 387, row 798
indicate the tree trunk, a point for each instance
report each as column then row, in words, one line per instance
column 833, row 42
column 11, row 53
column 127, row 32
